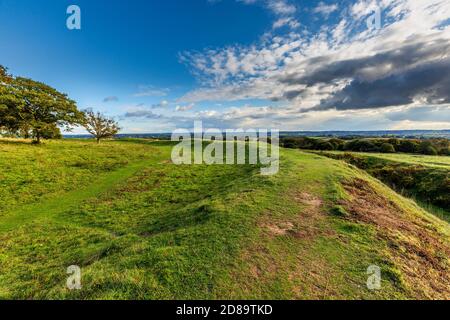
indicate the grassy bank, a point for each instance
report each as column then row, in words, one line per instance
column 148, row 229
column 426, row 178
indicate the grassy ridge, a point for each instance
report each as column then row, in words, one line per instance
column 162, row 231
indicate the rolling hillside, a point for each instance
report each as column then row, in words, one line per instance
column 142, row 228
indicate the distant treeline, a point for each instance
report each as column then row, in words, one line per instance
column 392, row 145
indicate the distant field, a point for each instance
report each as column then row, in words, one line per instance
column 141, row 227
column 432, row 161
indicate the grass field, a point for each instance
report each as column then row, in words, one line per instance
column 141, row 227
column 424, row 160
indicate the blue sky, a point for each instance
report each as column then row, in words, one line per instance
column 159, row 65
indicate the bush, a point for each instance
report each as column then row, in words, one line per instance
column 387, row 148
column 360, row 145
column 427, row 148
column 325, row 146
column 338, row 144
column 408, row 146
column 431, row 151
column 395, row 142
column 445, row 152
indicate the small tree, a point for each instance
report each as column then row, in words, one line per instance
column 99, row 125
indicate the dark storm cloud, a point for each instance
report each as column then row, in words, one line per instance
column 292, row 94
column 430, row 83
column 392, row 78
column 367, row 68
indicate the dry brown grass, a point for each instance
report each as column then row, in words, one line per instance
column 416, row 247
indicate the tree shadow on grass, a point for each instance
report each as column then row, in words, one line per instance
column 11, row 141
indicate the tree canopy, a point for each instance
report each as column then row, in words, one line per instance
column 32, row 108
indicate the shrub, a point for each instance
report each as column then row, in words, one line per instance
column 395, row 142
column 408, row 146
column 387, row 148
column 324, row 145
column 338, row 144
column 445, row 152
column 431, row 151
column 426, row 147
column 360, row 145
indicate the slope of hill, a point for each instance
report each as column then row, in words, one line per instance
column 426, row 178
column 142, row 228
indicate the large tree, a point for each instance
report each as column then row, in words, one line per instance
column 35, row 108
column 100, row 126
column 9, row 102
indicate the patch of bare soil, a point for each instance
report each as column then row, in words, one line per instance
column 305, row 225
column 309, row 199
column 309, row 219
column 419, row 251
column 278, row 229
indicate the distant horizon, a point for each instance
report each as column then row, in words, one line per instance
column 293, row 131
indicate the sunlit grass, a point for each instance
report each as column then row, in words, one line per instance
column 148, row 229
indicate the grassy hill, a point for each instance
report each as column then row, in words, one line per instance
column 142, row 228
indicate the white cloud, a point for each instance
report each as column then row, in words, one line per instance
column 281, row 7
column 151, row 91
column 162, row 104
column 184, row 108
column 289, row 21
column 325, row 9
column 257, row 71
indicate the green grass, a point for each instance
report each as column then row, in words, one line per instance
column 144, row 228
column 31, row 174
column 424, row 160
